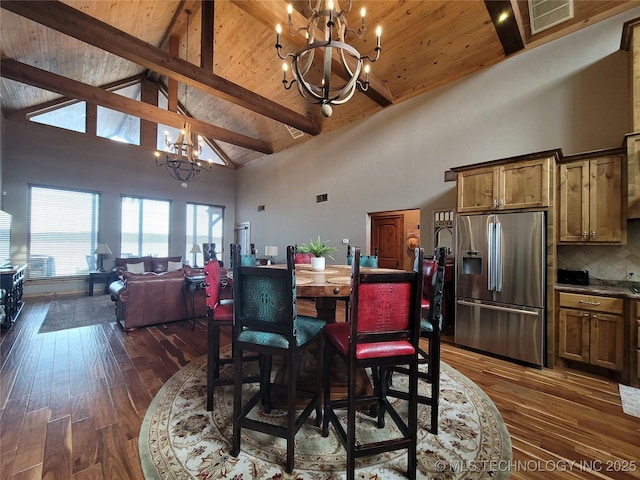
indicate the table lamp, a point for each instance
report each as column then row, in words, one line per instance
column 195, row 250
column 270, row 251
column 101, row 250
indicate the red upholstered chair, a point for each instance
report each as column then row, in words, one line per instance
column 219, row 314
column 430, row 328
column 383, row 331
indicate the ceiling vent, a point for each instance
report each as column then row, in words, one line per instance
column 295, row 133
column 545, row 14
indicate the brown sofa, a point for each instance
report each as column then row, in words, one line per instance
column 151, row 298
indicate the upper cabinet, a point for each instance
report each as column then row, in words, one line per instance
column 633, row 163
column 592, row 198
column 517, row 183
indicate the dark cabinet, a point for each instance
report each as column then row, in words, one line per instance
column 11, row 289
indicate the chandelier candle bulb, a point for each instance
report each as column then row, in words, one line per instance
column 378, row 35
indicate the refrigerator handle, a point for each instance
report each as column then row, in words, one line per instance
column 491, row 257
column 498, row 256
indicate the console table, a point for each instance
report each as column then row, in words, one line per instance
column 12, row 284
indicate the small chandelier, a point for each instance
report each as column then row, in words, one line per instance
column 326, row 31
column 181, row 157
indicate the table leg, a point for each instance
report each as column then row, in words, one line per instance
column 90, row 286
column 326, row 308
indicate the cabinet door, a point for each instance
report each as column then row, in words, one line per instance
column 477, row 190
column 633, row 175
column 605, row 199
column 607, row 341
column 573, row 335
column 524, row 184
column 574, row 202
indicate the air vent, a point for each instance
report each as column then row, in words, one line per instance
column 545, row 14
column 295, row 133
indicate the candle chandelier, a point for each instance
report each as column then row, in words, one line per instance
column 326, row 33
column 181, row 156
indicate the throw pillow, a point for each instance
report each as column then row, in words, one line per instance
column 135, row 267
column 173, row 266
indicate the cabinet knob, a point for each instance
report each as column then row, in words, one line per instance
column 584, row 234
column 593, row 234
column 495, row 203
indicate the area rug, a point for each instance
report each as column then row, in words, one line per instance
column 179, row 439
column 630, row 398
column 78, row 312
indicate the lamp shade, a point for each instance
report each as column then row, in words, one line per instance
column 195, row 249
column 271, row 250
column 103, row 248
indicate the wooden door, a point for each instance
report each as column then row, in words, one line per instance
column 477, row 190
column 605, row 193
column 387, row 233
column 574, row 202
column 607, row 341
column 573, row 329
column 524, row 184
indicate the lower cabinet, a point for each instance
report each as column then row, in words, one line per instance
column 591, row 329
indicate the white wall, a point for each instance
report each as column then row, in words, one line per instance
column 38, row 154
column 571, row 94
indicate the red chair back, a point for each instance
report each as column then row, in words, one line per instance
column 213, row 279
column 385, row 311
column 303, row 258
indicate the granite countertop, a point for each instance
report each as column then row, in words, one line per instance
column 602, row 287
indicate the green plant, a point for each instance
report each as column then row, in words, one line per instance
column 317, row 248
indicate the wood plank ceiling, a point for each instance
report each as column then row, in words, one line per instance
column 51, row 50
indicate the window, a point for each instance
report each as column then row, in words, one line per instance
column 145, row 227
column 63, row 231
column 119, row 126
column 71, row 117
column 204, row 225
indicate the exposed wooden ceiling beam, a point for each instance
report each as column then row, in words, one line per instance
column 265, row 13
column 36, row 77
column 504, row 21
column 80, row 26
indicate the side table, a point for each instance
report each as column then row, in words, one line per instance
column 191, row 284
column 97, row 276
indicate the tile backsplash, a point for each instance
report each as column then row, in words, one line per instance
column 605, row 262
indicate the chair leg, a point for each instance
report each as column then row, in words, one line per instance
column 326, row 356
column 351, row 422
column 212, row 357
column 266, row 362
column 237, row 404
column 434, row 372
column 291, row 408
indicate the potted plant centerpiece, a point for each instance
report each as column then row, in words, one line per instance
column 319, row 250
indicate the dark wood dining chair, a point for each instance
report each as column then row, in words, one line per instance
column 265, row 322
column 383, row 331
column 430, row 329
column 219, row 314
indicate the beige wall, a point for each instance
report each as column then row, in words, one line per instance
column 571, row 94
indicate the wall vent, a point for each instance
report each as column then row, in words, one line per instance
column 295, row 133
column 322, row 198
column 545, row 14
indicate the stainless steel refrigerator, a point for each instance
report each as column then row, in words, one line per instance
column 500, row 284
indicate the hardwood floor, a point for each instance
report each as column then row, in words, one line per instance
column 72, row 402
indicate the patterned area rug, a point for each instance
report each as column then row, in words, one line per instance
column 179, row 439
column 630, row 398
column 78, row 312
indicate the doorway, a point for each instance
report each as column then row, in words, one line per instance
column 395, row 235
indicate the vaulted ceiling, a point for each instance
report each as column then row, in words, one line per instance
column 77, row 48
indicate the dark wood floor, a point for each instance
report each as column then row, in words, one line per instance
column 72, row 403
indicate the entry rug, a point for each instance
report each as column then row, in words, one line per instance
column 630, row 398
column 179, row 439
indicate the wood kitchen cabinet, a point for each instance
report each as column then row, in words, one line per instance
column 592, row 198
column 514, row 184
column 591, row 329
column 633, row 172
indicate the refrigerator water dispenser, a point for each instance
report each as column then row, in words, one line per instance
column 471, row 264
